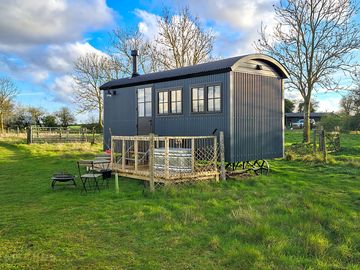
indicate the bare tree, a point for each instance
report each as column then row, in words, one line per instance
column 181, row 40
column 346, row 104
column 315, row 39
column 91, row 71
column 8, row 91
column 122, row 42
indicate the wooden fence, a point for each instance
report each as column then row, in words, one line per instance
column 59, row 135
column 167, row 160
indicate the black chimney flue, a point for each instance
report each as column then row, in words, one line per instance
column 134, row 54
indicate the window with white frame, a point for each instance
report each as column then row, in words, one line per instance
column 197, row 99
column 163, row 102
column 176, row 101
column 144, row 102
column 214, row 98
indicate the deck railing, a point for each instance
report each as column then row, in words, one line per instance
column 166, row 159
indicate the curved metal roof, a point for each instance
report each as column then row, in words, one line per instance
column 214, row 67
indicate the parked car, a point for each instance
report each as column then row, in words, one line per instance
column 300, row 123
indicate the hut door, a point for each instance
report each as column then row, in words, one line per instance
column 144, row 110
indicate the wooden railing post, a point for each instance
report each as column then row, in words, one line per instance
column 222, row 156
column 123, row 155
column 215, row 157
column 192, row 154
column 167, row 161
column 151, row 161
column 136, row 153
column 112, row 152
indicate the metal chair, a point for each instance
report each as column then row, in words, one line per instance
column 87, row 174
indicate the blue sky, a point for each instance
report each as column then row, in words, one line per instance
column 45, row 37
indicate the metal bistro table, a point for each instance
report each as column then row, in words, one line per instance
column 102, row 165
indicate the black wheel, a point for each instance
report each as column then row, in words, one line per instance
column 261, row 167
column 257, row 166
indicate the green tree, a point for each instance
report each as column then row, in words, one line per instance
column 289, row 105
column 49, row 120
column 65, row 117
column 314, row 105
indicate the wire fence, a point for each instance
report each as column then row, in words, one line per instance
column 166, row 159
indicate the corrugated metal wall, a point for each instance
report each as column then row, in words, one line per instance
column 120, row 111
column 120, row 114
column 257, row 122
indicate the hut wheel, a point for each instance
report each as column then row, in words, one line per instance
column 258, row 166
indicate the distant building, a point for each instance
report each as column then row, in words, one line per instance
column 294, row 117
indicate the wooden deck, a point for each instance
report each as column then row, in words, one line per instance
column 166, row 159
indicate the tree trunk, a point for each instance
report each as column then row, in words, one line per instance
column 100, row 118
column 1, row 123
column 306, row 129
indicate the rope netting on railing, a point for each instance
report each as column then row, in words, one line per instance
column 166, row 159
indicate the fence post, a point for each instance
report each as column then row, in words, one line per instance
column 222, row 156
column 192, row 154
column 323, row 138
column 314, row 144
column 93, row 135
column 123, row 155
column 320, row 139
column 167, row 163
column 151, row 161
column 136, row 153
column 29, row 135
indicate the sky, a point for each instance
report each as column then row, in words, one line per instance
column 41, row 39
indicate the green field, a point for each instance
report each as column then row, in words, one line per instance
column 304, row 215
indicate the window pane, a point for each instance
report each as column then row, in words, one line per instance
column 217, row 91
column 166, row 95
column 140, row 95
column 141, row 109
column 178, row 107
column 166, row 107
column 194, row 93
column 161, row 108
column 178, row 94
column 210, row 92
column 161, row 97
column 147, row 94
column 173, row 96
column 173, row 107
column 201, row 105
column 148, row 108
column 201, row 93
column 210, row 105
column 217, row 104
column 195, row 106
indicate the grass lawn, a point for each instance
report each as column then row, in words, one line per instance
column 301, row 216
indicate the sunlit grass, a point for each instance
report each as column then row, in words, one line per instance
column 304, row 215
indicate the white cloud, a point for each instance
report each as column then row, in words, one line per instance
column 148, row 26
column 63, row 88
column 26, row 23
column 236, row 22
